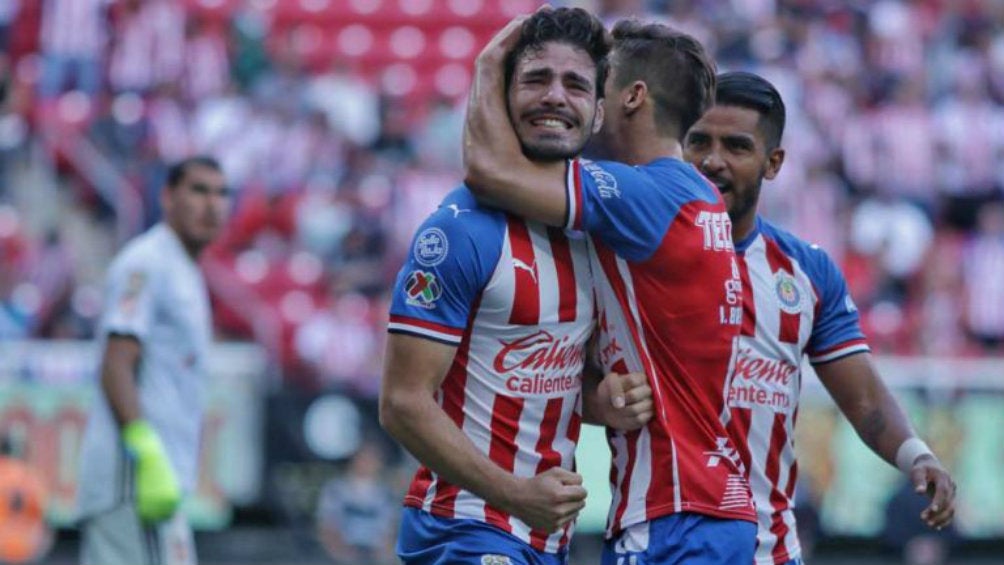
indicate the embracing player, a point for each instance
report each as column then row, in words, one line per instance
column 795, row 303
column 667, row 283
column 489, row 325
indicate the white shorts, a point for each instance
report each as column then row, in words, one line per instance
column 116, row 537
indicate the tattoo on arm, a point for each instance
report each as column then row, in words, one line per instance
column 872, row 426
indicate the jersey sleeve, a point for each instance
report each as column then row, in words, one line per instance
column 131, row 300
column 619, row 204
column 452, row 257
column 837, row 330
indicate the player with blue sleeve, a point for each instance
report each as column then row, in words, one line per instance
column 451, row 260
column 490, row 321
column 795, row 304
column 667, row 286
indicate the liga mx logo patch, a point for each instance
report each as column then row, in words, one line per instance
column 788, row 295
column 431, row 247
column 422, row 289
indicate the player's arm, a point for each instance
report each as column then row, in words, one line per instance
column 840, row 356
column 413, row 372
column 495, row 168
column 131, row 311
column 879, row 420
column 118, row 377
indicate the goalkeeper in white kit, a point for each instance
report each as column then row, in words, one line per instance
column 141, row 448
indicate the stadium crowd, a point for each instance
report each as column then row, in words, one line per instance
column 339, row 123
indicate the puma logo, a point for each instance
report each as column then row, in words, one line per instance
column 532, row 269
column 457, row 210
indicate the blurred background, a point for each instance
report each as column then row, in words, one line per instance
column 338, row 124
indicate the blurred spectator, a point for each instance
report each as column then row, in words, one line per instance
column 351, row 105
column 906, row 534
column 356, row 512
column 8, row 13
column 148, row 47
column 896, row 233
column 342, row 343
column 983, row 277
column 206, row 65
column 73, row 39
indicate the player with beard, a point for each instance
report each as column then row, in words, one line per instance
column 489, row 325
column 795, row 303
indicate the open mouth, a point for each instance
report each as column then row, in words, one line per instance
column 551, row 121
column 723, row 186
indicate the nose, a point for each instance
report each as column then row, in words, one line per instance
column 712, row 162
column 555, row 94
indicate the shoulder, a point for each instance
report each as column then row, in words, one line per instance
column 460, row 212
column 459, row 227
column 142, row 253
column 813, row 259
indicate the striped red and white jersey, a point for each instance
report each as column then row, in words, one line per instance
column 516, row 299
column 670, row 304
column 795, row 303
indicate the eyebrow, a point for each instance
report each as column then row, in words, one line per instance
column 203, row 187
column 743, row 139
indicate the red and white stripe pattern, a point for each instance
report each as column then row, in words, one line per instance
column 666, row 467
column 515, row 383
column 764, row 391
column 75, row 28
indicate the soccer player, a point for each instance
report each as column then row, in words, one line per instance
column 489, row 325
column 140, row 450
column 667, row 284
column 795, row 303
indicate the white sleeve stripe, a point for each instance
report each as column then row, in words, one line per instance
column 837, row 353
column 570, row 196
column 424, row 332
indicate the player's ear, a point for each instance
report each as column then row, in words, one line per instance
column 774, row 161
column 600, row 113
column 633, row 97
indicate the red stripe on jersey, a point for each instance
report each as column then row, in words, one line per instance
column 577, row 194
column 574, row 427
column 427, row 325
column 567, row 293
column 526, row 301
column 778, row 261
column 453, row 390
column 548, row 456
column 739, row 426
column 608, row 260
column 631, row 440
column 419, row 486
column 506, row 411
column 778, row 438
column 657, row 489
column 749, row 305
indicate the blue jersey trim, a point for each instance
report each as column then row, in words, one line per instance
column 451, row 259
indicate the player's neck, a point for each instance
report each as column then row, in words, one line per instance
column 192, row 248
column 642, row 149
column 743, row 227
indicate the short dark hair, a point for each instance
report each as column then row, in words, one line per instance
column 754, row 92
column 176, row 173
column 572, row 26
column 677, row 70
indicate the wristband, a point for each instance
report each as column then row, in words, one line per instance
column 909, row 451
